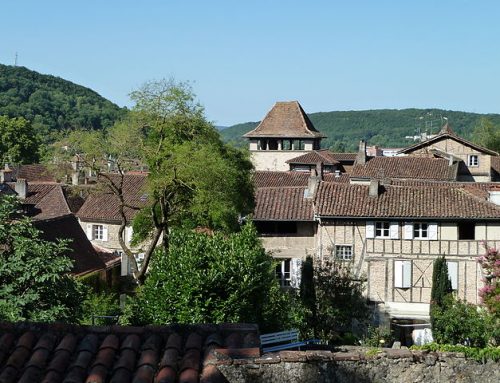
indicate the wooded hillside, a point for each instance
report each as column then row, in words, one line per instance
column 385, row 127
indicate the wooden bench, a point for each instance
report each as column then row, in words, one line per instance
column 283, row 340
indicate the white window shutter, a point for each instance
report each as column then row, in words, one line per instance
column 104, row 233
column 89, row 231
column 370, row 229
column 398, row 274
column 408, row 231
column 394, row 230
column 453, row 274
column 128, row 234
column 295, row 272
column 124, row 265
column 406, row 274
column 433, row 231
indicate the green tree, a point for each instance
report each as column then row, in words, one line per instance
column 212, row 279
column 18, row 141
column 308, row 296
column 441, row 284
column 487, row 134
column 34, row 280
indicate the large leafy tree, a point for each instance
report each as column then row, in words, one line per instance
column 487, row 134
column 18, row 141
column 34, row 280
column 212, row 279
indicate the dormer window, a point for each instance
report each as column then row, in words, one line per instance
column 473, row 160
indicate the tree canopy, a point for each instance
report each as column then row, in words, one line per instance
column 34, row 280
column 18, row 141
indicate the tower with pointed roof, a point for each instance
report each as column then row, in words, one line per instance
column 285, row 133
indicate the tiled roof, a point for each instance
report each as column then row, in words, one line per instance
column 311, row 158
column 103, row 206
column 285, row 119
column 447, row 132
column 33, row 173
column 342, row 157
column 347, row 200
column 406, row 167
column 292, row 178
column 84, row 256
column 282, row 204
column 52, row 205
column 53, row 353
column 109, row 257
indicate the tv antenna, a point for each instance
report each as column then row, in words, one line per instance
column 15, row 60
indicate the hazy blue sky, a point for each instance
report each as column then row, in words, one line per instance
column 242, row 56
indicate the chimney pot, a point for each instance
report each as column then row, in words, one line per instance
column 374, row 188
column 361, row 156
column 21, row 188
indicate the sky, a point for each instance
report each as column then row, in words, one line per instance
column 243, row 56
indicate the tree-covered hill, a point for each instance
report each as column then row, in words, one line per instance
column 52, row 103
column 385, row 127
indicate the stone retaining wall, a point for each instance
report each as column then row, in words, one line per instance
column 354, row 366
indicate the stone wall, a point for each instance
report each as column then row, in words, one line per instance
column 356, row 366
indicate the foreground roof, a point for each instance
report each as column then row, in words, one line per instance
column 406, row 167
column 53, row 353
column 282, row 204
column 347, row 200
column 285, row 119
column 103, row 206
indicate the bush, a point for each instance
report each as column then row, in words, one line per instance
column 378, row 337
column 97, row 305
column 479, row 354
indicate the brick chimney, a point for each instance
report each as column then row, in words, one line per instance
column 374, row 189
column 361, row 156
column 6, row 174
column 21, row 188
column 312, row 184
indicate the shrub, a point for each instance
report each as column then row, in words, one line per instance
column 97, row 305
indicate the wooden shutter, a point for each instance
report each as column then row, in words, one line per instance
column 408, row 230
column 370, row 229
column 433, row 230
column 453, row 274
column 89, row 231
column 402, row 274
column 104, row 233
column 295, row 272
column 128, row 234
column 406, row 274
column 394, row 230
column 124, row 265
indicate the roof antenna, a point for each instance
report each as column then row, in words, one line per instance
column 15, row 60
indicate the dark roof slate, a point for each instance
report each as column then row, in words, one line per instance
column 33, row 173
column 406, row 167
column 54, row 353
column 347, row 200
column 285, row 119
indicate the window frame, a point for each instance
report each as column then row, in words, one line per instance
column 418, row 230
column 98, row 232
column 473, row 160
column 382, row 229
column 283, row 276
column 342, row 255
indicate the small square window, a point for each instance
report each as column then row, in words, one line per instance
column 420, row 230
column 343, row 252
column 473, row 160
column 466, row 230
column 98, row 232
column 382, row 229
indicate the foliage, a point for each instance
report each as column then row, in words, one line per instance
column 382, row 127
column 487, row 134
column 457, row 322
column 18, row 141
column 479, row 354
column 51, row 103
column 308, row 296
column 441, row 286
column 213, row 279
column 378, row 337
column 34, row 280
column 490, row 293
column 97, row 305
column 339, row 299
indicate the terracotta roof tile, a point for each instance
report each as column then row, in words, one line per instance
column 33, row 173
column 103, row 206
column 68, row 353
column 406, row 167
column 263, row 179
column 285, row 119
column 345, row 200
column 325, row 156
column 342, row 157
column 283, row 203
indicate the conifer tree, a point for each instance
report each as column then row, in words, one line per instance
column 441, row 286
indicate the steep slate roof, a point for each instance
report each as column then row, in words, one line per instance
column 406, row 167
column 346, row 200
column 81, row 251
column 447, row 132
column 285, row 119
column 311, row 158
column 103, row 206
column 282, row 204
column 266, row 178
column 52, row 205
column 54, row 353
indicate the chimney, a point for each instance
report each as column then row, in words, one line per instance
column 361, row 156
column 312, row 184
column 21, row 188
column 6, row 174
column 319, row 170
column 374, row 188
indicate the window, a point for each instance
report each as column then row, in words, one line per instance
column 286, row 145
column 97, row 232
column 343, row 252
column 420, row 230
column 276, row 227
column 382, row 229
column 466, row 230
column 402, row 274
column 473, row 160
column 283, row 272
